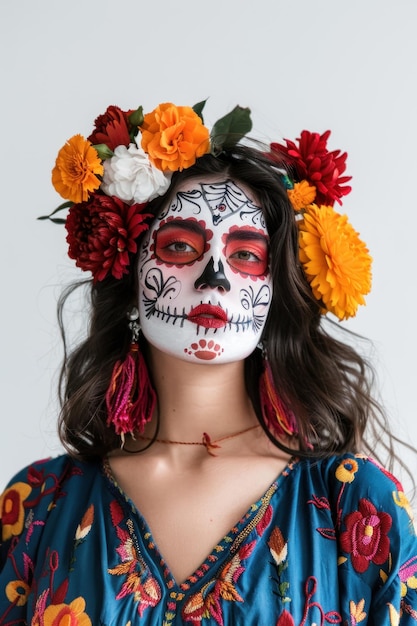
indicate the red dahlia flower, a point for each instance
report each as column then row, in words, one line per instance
column 102, row 234
column 366, row 536
column 111, row 128
column 312, row 161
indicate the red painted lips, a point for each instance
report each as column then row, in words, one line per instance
column 208, row 316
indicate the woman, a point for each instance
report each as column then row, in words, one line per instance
column 215, row 430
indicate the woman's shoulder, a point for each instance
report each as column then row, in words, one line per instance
column 57, row 469
column 351, row 468
column 38, row 487
column 357, row 484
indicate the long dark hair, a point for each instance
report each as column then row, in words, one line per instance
column 323, row 379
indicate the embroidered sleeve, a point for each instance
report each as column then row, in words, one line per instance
column 24, row 508
column 377, row 544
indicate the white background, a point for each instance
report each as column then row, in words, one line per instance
column 347, row 66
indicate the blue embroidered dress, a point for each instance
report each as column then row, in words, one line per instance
column 330, row 542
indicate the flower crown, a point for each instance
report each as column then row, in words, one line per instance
column 129, row 158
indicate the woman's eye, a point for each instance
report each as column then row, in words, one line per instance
column 248, row 257
column 177, row 245
column 245, row 255
column 180, row 246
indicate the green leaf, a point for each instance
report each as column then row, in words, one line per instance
column 198, row 108
column 103, row 151
column 56, row 220
column 230, row 129
column 136, row 118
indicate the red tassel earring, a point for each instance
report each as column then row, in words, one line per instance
column 277, row 416
column 130, row 397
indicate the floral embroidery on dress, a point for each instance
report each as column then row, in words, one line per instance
column 366, row 536
column 207, row 602
column 278, row 548
column 138, row 580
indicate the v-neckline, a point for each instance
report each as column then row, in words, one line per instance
column 227, row 545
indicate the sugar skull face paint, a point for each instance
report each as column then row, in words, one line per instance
column 204, row 282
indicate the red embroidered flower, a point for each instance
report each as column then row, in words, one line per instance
column 366, row 536
column 102, row 234
column 111, row 128
column 313, row 162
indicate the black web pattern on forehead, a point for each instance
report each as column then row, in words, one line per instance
column 226, row 199
column 223, row 199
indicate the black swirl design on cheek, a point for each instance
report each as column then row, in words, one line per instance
column 251, row 302
column 156, row 288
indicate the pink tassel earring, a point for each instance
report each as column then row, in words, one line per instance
column 277, row 416
column 130, row 397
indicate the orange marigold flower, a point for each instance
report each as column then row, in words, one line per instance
column 73, row 613
column 174, row 137
column 12, row 513
column 76, row 170
column 17, row 592
column 301, row 195
column 336, row 262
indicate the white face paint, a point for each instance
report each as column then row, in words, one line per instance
column 204, row 281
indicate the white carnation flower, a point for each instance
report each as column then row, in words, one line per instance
column 130, row 176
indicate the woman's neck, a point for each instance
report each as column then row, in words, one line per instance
column 194, row 399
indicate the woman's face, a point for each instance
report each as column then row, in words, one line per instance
column 204, row 281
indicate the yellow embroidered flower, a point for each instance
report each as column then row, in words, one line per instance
column 12, row 513
column 301, row 195
column 401, row 500
column 174, row 137
column 336, row 262
column 346, row 470
column 17, row 592
column 77, row 167
column 356, row 611
column 63, row 614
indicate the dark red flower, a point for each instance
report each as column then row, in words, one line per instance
column 102, row 234
column 366, row 536
column 312, row 161
column 111, row 128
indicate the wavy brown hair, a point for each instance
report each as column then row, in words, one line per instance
column 323, row 379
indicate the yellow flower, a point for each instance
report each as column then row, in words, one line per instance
column 336, row 262
column 17, row 591
column 356, row 610
column 346, row 470
column 12, row 513
column 174, row 137
column 76, row 169
column 301, row 195
column 63, row 614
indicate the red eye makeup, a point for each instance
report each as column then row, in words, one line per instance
column 180, row 242
column 247, row 252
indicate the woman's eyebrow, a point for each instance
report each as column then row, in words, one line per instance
column 246, row 235
column 189, row 225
